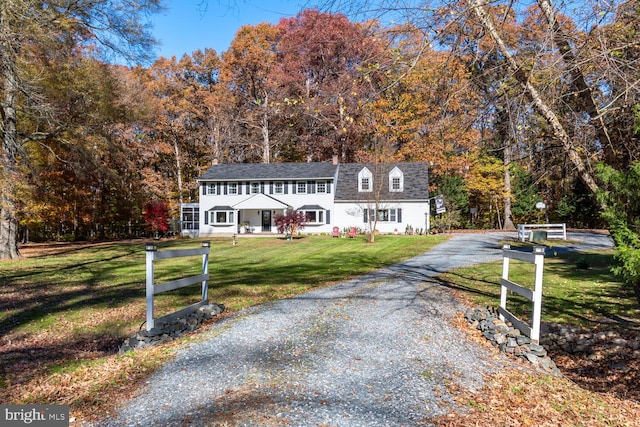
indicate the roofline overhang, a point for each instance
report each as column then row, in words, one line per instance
column 264, row 179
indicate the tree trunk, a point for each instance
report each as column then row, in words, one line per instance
column 9, row 162
column 508, row 222
column 266, row 149
column 559, row 132
column 578, row 81
column 176, row 149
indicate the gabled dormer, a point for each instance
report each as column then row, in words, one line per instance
column 365, row 180
column 396, row 180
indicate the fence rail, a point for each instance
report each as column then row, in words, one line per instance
column 553, row 231
column 535, row 295
column 154, row 289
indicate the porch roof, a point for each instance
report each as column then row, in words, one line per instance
column 311, row 208
column 261, row 202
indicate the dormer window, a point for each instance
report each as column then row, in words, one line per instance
column 396, row 180
column 365, row 181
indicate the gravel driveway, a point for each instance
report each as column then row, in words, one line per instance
column 378, row 350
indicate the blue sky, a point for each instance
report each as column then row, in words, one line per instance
column 186, row 27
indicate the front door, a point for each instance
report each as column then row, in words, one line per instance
column 266, row 221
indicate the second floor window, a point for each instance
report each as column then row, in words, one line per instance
column 395, row 184
column 233, row 188
column 365, row 180
column 365, row 184
column 278, row 188
column 396, row 180
column 255, row 188
column 302, row 187
column 321, row 187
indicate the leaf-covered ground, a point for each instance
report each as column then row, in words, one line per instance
column 589, row 394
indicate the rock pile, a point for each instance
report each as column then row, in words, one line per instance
column 169, row 331
column 574, row 340
column 509, row 339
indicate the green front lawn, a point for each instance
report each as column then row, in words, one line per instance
column 65, row 309
column 578, row 288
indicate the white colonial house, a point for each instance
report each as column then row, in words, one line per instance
column 246, row 197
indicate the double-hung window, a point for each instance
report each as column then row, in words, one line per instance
column 321, row 187
column 278, row 188
column 382, row 215
column 302, row 187
column 255, row 188
column 212, row 189
column 233, row 188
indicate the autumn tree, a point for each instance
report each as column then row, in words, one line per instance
column 156, row 217
column 184, row 134
column 290, row 222
column 327, row 65
column 249, row 72
column 428, row 111
column 33, row 35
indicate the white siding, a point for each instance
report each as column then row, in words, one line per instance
column 254, row 216
column 413, row 214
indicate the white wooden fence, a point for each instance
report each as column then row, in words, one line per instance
column 554, row 231
column 535, row 295
column 154, row 289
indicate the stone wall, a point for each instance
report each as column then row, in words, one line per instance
column 169, row 331
column 509, row 339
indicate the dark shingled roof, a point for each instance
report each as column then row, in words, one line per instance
column 415, row 177
column 415, row 174
column 269, row 171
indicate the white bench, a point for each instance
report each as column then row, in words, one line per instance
column 554, row 231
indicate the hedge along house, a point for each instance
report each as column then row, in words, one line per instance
column 246, row 197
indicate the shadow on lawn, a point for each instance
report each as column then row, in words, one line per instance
column 58, row 289
column 613, row 303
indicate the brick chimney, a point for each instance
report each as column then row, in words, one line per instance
column 334, row 160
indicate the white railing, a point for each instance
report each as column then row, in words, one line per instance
column 154, row 289
column 554, row 231
column 535, row 295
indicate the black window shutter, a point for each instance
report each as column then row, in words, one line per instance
column 226, row 186
column 399, row 215
column 206, row 217
column 366, row 212
column 294, row 188
column 328, row 187
column 286, row 187
column 328, row 216
column 311, row 187
column 261, row 187
column 239, row 187
column 248, row 188
column 271, row 187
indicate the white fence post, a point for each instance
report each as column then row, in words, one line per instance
column 150, row 249
column 205, row 271
column 505, row 276
column 535, row 295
